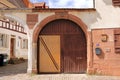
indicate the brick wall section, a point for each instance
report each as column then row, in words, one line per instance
column 32, row 19
column 108, row 62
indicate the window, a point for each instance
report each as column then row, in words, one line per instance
column 0, row 23
column 117, row 40
column 3, row 40
column 116, row 2
column 24, row 44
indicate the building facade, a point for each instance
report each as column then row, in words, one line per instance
column 72, row 40
column 13, row 39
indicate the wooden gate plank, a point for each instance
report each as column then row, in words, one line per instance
column 74, row 54
column 50, row 54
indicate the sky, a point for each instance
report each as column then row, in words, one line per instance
column 67, row 3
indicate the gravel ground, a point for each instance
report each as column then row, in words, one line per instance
column 18, row 72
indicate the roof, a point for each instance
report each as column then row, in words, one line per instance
column 21, row 4
column 6, row 4
column 47, row 9
column 18, row 3
column 15, row 4
column 39, row 4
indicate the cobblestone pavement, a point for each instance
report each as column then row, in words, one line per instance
column 18, row 72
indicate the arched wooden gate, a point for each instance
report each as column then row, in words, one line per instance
column 62, row 48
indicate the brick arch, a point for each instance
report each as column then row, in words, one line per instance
column 54, row 17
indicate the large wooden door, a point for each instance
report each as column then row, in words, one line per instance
column 71, row 47
column 74, row 53
column 49, row 54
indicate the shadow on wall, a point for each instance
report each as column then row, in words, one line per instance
column 93, row 17
column 108, row 2
column 102, row 55
column 96, row 16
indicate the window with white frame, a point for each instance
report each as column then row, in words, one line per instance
column 24, row 44
column 3, row 40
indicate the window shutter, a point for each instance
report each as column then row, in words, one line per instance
column 4, row 40
column 1, row 41
column 116, row 2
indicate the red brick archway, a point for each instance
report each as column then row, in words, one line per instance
column 54, row 17
column 76, row 20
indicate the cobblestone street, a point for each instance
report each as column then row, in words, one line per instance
column 18, row 72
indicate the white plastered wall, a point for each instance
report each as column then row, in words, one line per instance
column 104, row 16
